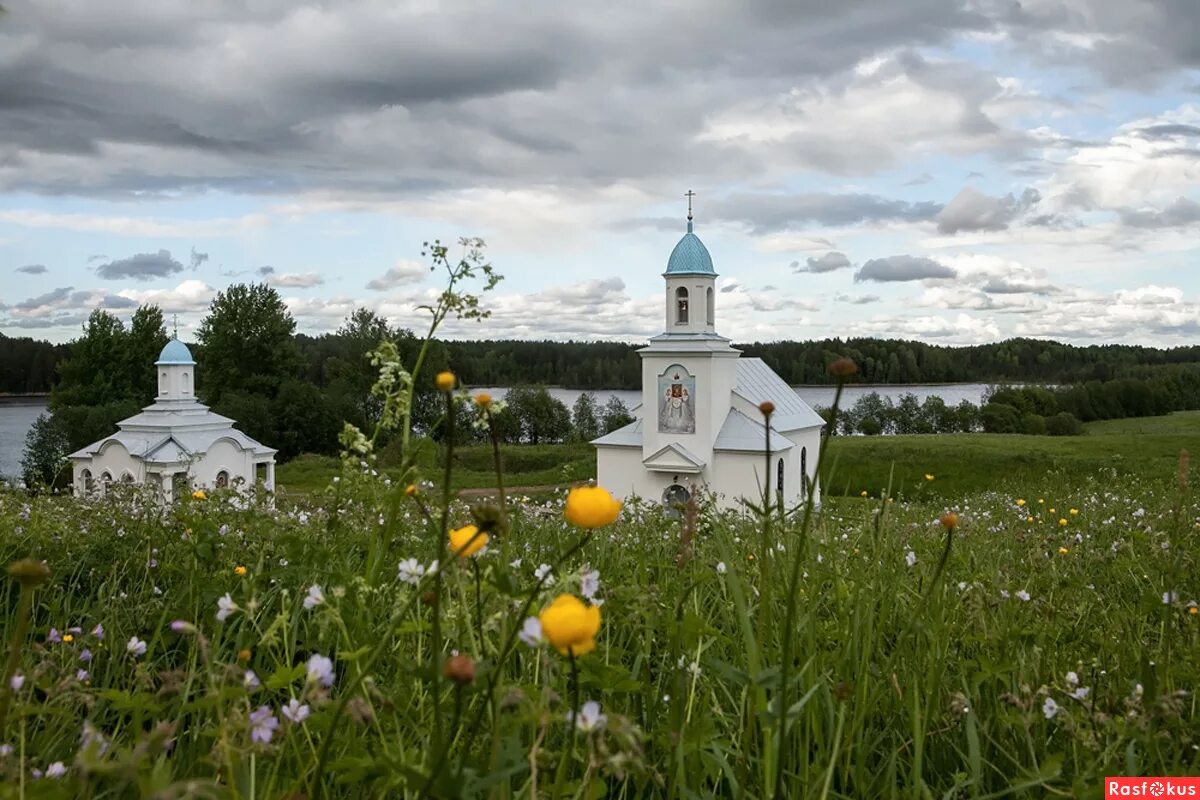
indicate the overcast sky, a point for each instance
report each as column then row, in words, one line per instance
column 954, row 171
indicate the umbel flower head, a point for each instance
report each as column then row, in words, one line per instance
column 570, row 625
column 591, row 507
column 467, row 541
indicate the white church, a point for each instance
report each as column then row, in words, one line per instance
column 699, row 425
column 175, row 444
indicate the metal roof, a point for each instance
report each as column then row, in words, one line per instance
column 756, row 383
column 690, row 256
column 628, row 436
column 741, row 434
column 176, row 352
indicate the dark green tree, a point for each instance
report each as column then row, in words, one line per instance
column 146, row 338
column 247, row 343
column 616, row 414
column 585, row 417
column 542, row 418
column 44, row 462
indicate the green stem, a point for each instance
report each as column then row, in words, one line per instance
column 496, row 459
column 24, row 605
column 569, row 754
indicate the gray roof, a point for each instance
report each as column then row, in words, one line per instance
column 742, row 434
column 756, row 383
column 171, row 432
column 629, row 436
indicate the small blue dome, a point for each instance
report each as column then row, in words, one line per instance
column 690, row 256
column 175, row 352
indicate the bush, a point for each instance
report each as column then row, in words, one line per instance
column 44, row 461
column 1064, row 423
column 1000, row 418
column 1033, row 424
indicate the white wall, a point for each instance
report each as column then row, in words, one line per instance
column 226, row 455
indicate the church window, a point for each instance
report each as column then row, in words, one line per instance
column 86, row 475
column 675, row 498
column 105, row 481
column 779, row 480
column 127, row 477
column 222, row 479
column 803, row 473
column 712, row 308
column 186, row 389
column 162, row 383
column 681, row 306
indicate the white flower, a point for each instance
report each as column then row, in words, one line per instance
column 589, row 717
column 1004, row 593
column 56, row 770
column 320, row 670
column 515, row 563
column 16, row 682
column 250, row 680
column 1081, row 693
column 589, row 584
column 531, row 632
column 135, row 647
column 1049, row 708
column 295, row 711
column 411, row 571
column 1023, row 595
column 910, row 558
column 315, row 597
column 542, row 571
column 1072, row 678
column 226, row 607
column 1169, row 597
column 721, row 568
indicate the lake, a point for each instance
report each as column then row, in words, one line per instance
column 17, row 416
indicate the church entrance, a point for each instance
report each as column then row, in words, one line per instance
column 675, row 498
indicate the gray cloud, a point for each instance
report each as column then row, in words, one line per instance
column 1180, row 213
column 833, row 260
column 903, row 268
column 141, row 267
column 972, row 210
column 264, row 272
column 198, row 258
column 33, row 269
column 1017, row 286
column 116, row 301
column 403, row 273
column 858, row 300
column 770, row 213
column 51, row 298
column 294, row 280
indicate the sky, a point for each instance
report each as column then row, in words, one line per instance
column 953, row 171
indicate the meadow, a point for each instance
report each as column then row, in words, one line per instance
column 1041, row 640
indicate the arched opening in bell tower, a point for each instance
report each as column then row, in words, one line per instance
column 681, row 306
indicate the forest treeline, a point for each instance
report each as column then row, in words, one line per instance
column 30, row 366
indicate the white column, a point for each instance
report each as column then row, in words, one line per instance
column 270, row 476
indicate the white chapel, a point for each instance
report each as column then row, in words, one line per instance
column 699, row 423
column 176, row 443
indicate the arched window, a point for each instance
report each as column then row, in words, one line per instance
column 105, row 481
column 779, row 479
column 127, row 477
column 162, row 383
column 803, row 473
column 88, row 484
column 681, row 306
column 186, row 388
column 222, row 479
column 711, row 319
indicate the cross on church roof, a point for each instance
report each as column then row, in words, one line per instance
column 689, row 195
column 176, row 318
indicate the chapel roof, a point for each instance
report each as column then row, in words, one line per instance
column 741, row 434
column 176, row 352
column 757, row 383
column 690, row 256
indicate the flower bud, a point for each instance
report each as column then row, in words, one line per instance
column 29, row 572
column 767, row 408
column 460, row 669
column 949, row 520
column 843, row 368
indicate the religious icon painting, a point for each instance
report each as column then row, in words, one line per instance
column 676, row 401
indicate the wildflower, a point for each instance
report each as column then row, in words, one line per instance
column 5, row 750
column 570, row 626
column 589, row 717
column 1072, row 678
column 320, row 670
column 721, row 567
column 910, row 558
column 250, row 680
column 1074, row 512
column 16, row 682
column 262, row 725
column 68, row 638
column 85, row 655
column 243, row 655
column 928, row 477
column 531, row 632
column 1021, row 503
column 843, row 368
column 445, row 381
column 542, row 571
column 81, row 675
column 135, row 647
column 460, row 669
column 1081, row 693
column 240, row 571
column 29, row 571
column 98, row 632
column 1193, row 610
column 226, row 607
column 864, row 493
column 199, row 495
column 295, row 711
column 53, row 637
column 56, row 770
column 467, row 541
column 483, row 399
column 410, row 490
column 1049, row 708
column 589, row 585
column 1052, row 511
column 1023, row 596
column 1169, row 597
column 591, row 507
column 766, row 408
column 181, row 626
column 315, row 597
column 411, row 571
column 1041, row 501
column 1062, row 521
column 1062, row 551
column 1029, row 519
column 949, row 520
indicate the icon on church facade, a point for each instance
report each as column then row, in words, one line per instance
column 676, row 401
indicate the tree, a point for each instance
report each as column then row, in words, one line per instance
column 542, row 417
column 1000, row 418
column 585, row 417
column 46, row 448
column 616, row 414
column 93, row 374
column 146, row 338
column 1064, row 424
column 246, row 343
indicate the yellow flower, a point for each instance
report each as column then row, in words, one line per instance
column 1021, row 503
column 1062, row 551
column 68, row 637
column 483, row 399
column 199, row 495
column 1041, row 501
column 243, row 655
column 240, row 571
column 928, row 477
column 949, row 520
column 1074, row 512
column 864, row 492
column 1052, row 511
column 411, row 489
column 591, row 507
column 464, row 541
column 1062, row 521
column 570, row 626
column 1029, row 519
column 444, row 381
column 1194, row 611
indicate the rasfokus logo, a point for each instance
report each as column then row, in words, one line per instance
column 1151, row 787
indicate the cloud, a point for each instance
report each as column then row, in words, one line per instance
column 265, row 272
column 141, row 267
column 1181, row 213
column 902, row 268
column 296, row 280
column 971, row 210
column 770, row 213
column 197, row 259
column 833, row 260
column 50, row 299
column 33, row 269
column 402, row 273
column 147, row 227
column 858, row 300
column 191, row 295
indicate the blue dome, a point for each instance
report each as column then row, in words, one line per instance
column 175, row 352
column 690, row 256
